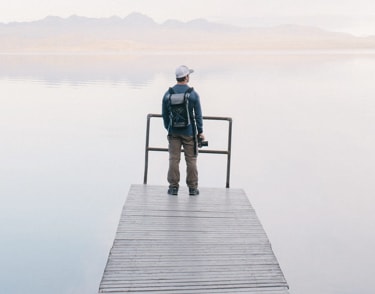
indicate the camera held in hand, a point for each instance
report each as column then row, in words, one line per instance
column 201, row 143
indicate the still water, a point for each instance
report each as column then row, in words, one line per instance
column 72, row 132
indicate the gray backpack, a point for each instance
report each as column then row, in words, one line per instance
column 179, row 108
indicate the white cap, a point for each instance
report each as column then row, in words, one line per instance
column 183, row 71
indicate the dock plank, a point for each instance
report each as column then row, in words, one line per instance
column 211, row 243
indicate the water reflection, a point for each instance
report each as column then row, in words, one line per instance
column 79, row 70
column 138, row 70
column 73, row 128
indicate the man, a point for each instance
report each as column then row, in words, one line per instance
column 185, row 136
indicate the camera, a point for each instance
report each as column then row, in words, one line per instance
column 201, row 143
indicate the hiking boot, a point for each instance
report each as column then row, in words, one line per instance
column 173, row 191
column 193, row 191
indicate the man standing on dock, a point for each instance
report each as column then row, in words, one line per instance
column 182, row 117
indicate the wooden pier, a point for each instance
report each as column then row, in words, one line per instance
column 210, row 243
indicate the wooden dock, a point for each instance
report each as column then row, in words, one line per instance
column 211, row 243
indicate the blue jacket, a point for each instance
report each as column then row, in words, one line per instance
column 194, row 108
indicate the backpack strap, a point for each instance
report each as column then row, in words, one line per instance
column 186, row 97
column 188, row 92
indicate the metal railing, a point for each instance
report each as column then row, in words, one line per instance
column 225, row 152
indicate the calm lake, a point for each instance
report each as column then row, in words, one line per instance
column 72, row 132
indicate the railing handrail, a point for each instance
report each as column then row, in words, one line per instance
column 225, row 152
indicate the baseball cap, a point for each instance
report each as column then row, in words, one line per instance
column 183, row 71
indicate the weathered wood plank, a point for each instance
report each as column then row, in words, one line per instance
column 211, row 243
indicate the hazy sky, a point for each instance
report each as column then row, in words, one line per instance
column 354, row 16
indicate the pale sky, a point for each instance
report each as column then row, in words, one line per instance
column 353, row 16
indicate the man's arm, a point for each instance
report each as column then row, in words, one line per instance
column 165, row 113
column 198, row 114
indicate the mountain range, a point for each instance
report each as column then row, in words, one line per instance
column 138, row 32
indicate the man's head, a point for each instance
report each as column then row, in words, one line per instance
column 182, row 73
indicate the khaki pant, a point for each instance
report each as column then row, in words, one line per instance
column 175, row 143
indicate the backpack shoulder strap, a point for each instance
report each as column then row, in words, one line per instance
column 189, row 90
column 170, row 92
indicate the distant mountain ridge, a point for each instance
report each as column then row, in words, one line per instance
column 136, row 20
column 139, row 32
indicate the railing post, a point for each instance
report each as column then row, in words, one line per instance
column 229, row 151
column 146, row 148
